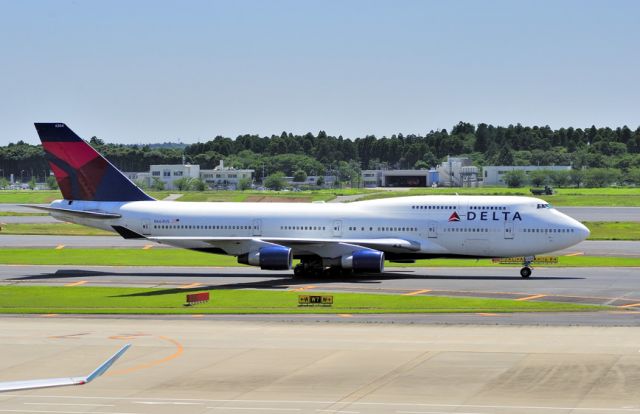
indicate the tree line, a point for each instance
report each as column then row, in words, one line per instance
column 319, row 154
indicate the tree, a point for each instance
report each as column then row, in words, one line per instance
column 539, row 178
column 576, row 177
column 515, row 178
column 601, row 177
column 197, row 184
column 421, row 165
column 276, row 181
column 4, row 183
column 157, row 184
column 183, row 184
column 505, row 157
column 320, row 181
column 559, row 178
column 633, row 176
column 52, row 183
column 32, row 183
column 300, row 176
column 141, row 184
column 244, row 184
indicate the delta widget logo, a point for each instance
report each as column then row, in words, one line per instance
column 454, row 217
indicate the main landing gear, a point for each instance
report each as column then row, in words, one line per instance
column 315, row 268
column 525, row 272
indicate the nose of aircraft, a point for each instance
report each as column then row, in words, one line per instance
column 581, row 230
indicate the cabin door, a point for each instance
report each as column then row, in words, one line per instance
column 146, row 228
column 337, row 228
column 256, row 227
column 508, row 230
column 432, row 229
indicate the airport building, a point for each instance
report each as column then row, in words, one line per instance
column 493, row 175
column 454, row 172
column 221, row 177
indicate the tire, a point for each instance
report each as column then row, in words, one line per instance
column 525, row 272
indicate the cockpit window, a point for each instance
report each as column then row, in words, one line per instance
column 545, row 205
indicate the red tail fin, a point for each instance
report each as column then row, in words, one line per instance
column 82, row 173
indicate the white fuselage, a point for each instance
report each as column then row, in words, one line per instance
column 472, row 226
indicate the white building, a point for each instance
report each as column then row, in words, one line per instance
column 493, row 175
column 168, row 173
column 225, row 178
column 455, row 172
column 220, row 177
column 328, row 181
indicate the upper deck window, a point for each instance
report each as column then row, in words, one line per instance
column 544, row 205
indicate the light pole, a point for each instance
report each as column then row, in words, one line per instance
column 21, row 176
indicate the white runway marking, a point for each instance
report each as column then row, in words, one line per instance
column 82, row 405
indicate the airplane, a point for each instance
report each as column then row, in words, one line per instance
column 63, row 382
column 328, row 239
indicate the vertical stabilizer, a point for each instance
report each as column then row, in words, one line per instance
column 82, row 173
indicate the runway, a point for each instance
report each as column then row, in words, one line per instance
column 602, row 286
column 589, row 248
column 205, row 366
column 602, row 213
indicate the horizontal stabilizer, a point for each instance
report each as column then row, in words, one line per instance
column 61, row 382
column 79, row 213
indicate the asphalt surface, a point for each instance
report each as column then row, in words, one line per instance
column 17, row 208
column 603, row 286
column 602, row 213
column 210, row 366
column 588, row 248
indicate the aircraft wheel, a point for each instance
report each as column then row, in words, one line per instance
column 525, row 272
column 299, row 270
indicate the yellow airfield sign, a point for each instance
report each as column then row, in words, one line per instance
column 521, row 260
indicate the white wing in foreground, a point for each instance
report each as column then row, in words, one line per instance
column 61, row 382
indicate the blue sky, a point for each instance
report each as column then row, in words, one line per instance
column 148, row 71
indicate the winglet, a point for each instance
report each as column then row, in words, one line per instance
column 61, row 382
column 106, row 364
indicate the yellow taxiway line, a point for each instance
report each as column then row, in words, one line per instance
column 531, row 297
column 78, row 283
column 417, row 292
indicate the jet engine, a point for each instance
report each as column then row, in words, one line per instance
column 268, row 258
column 364, row 261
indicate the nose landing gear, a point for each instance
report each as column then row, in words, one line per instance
column 525, row 272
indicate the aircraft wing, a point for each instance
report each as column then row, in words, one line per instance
column 322, row 247
column 61, row 382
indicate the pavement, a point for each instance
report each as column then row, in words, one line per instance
column 217, row 366
column 612, row 286
column 602, row 213
column 589, row 248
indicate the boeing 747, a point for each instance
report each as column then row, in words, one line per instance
column 326, row 238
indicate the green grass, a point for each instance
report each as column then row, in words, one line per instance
column 29, row 196
column 19, row 214
column 57, row 229
column 613, row 230
column 181, row 257
column 567, row 197
column 615, row 197
column 111, row 300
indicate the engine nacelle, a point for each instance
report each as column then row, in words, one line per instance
column 364, row 261
column 269, row 258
